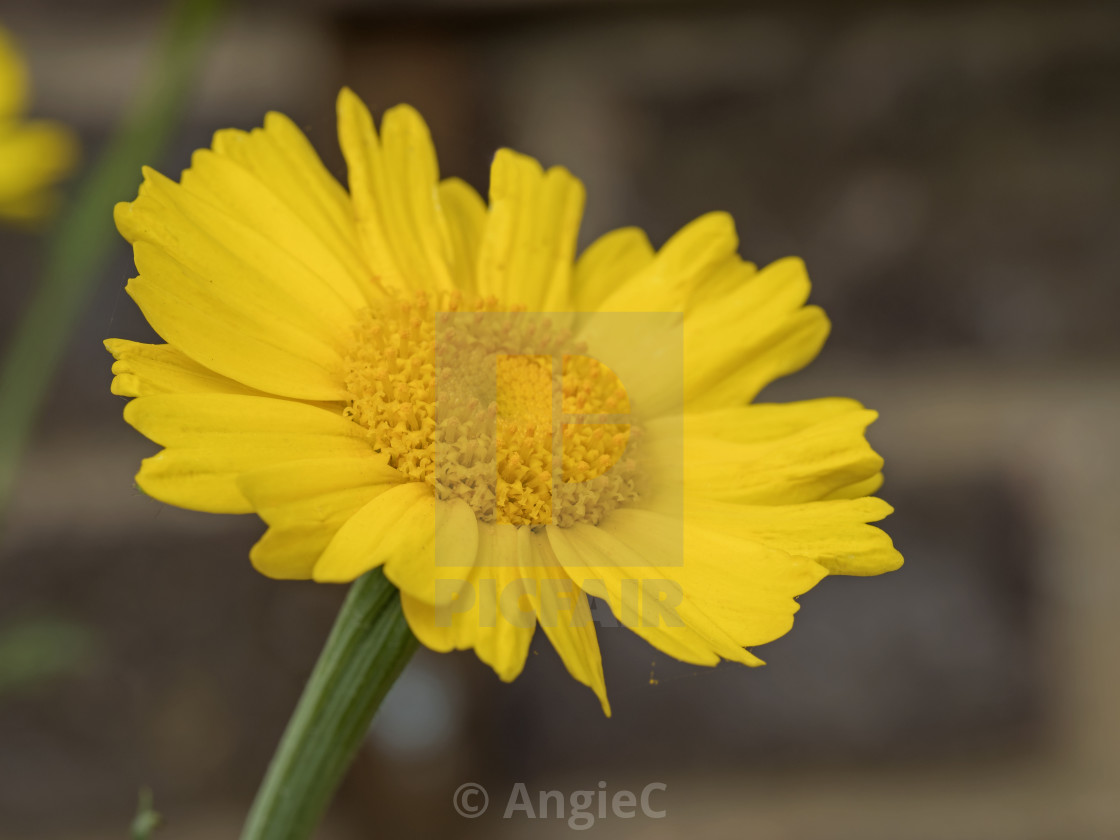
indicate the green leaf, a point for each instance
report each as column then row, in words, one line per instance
column 365, row 653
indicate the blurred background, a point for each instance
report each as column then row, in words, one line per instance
column 949, row 171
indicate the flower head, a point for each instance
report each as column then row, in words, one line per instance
column 35, row 154
column 402, row 375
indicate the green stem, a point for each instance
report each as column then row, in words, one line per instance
column 83, row 239
column 367, row 649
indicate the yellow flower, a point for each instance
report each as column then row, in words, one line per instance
column 34, row 154
column 401, row 376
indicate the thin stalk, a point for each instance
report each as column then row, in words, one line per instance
column 366, row 652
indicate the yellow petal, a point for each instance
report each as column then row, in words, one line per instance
column 464, row 213
column 393, row 184
column 297, row 241
column 762, row 422
column 213, row 439
column 252, row 266
column 650, row 357
column 437, row 573
column 742, row 328
column 867, row 487
column 640, row 594
column 205, row 478
column 290, row 553
column 306, row 490
column 742, row 587
column 399, row 522
column 686, row 261
column 201, row 419
column 283, row 160
column 427, row 547
column 146, row 369
column 529, row 242
column 562, row 611
column 230, row 334
column 738, row 342
column 746, row 588
column 608, row 264
column 832, row 533
column 214, row 262
column 305, row 503
column 645, row 352
column 802, row 467
column 490, row 614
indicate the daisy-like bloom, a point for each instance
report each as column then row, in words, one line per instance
column 34, row 154
column 401, row 375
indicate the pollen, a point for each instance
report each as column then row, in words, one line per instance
column 498, row 407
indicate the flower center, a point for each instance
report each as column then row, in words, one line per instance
column 497, row 407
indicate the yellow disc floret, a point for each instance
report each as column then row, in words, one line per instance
column 391, row 379
column 481, row 402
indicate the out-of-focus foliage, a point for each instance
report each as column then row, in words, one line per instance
column 41, row 649
column 147, row 819
column 84, row 237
